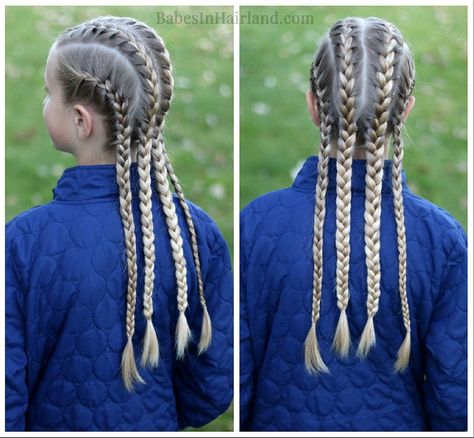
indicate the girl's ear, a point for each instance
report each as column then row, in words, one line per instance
column 313, row 107
column 410, row 105
column 82, row 122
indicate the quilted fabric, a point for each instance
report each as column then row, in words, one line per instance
column 276, row 279
column 66, row 281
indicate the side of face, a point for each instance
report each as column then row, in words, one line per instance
column 57, row 116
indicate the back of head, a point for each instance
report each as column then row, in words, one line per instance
column 362, row 77
column 122, row 68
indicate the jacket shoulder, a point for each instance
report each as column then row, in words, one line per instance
column 430, row 219
column 263, row 204
column 206, row 227
column 28, row 221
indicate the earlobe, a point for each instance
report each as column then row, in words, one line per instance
column 82, row 121
column 313, row 107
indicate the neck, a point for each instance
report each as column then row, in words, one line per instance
column 359, row 150
column 92, row 156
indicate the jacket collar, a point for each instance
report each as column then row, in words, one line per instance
column 94, row 182
column 306, row 178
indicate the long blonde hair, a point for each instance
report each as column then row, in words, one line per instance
column 362, row 77
column 122, row 67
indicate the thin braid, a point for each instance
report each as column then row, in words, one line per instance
column 166, row 88
column 123, row 159
column 130, row 373
column 374, row 176
column 206, row 329
column 150, row 351
column 114, row 36
column 161, row 94
column 403, row 355
column 345, row 146
column 313, row 360
column 183, row 333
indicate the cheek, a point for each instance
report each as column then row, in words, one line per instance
column 55, row 125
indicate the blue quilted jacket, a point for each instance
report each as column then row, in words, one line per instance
column 66, row 280
column 276, row 286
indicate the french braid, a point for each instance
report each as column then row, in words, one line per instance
column 346, row 140
column 361, row 59
column 313, row 360
column 374, row 176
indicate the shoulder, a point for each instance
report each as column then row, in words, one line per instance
column 207, row 230
column 435, row 225
column 27, row 222
column 273, row 212
column 285, row 198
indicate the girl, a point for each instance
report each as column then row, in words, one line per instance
column 353, row 300
column 115, row 266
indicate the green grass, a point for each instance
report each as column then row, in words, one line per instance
column 199, row 128
column 276, row 132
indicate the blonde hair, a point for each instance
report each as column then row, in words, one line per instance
column 362, row 77
column 123, row 68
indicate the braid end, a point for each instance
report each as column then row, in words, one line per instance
column 151, row 350
column 183, row 335
column 312, row 357
column 206, row 332
column 342, row 338
column 367, row 340
column 129, row 367
column 403, row 356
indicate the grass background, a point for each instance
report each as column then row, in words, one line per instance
column 276, row 131
column 199, row 128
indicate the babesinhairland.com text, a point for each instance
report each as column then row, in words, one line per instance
column 246, row 17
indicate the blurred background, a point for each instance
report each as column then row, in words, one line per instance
column 199, row 127
column 277, row 134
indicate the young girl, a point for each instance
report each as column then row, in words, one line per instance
column 353, row 300
column 112, row 286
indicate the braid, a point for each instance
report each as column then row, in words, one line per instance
column 129, row 369
column 404, row 352
column 183, row 333
column 113, row 36
column 206, row 329
column 313, row 360
column 374, row 176
column 345, row 146
column 150, row 353
column 123, row 136
column 162, row 92
column 405, row 88
column 156, row 44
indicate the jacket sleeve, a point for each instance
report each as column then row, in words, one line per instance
column 203, row 383
column 446, row 346
column 16, row 391
column 247, row 362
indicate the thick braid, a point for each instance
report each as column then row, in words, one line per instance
column 313, row 360
column 374, row 176
column 345, row 146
